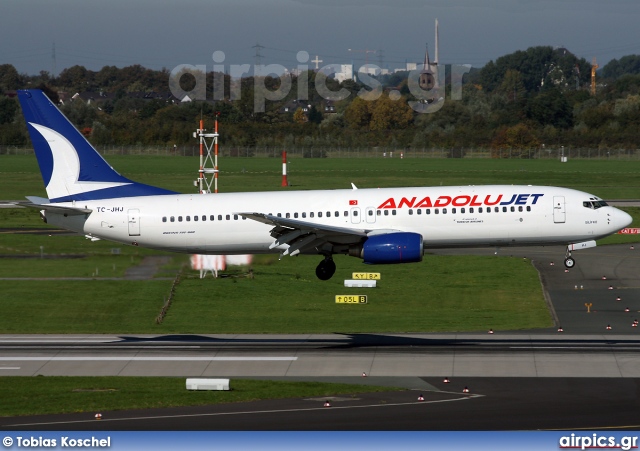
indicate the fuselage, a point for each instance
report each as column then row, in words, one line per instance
column 455, row 216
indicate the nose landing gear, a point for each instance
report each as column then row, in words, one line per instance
column 569, row 262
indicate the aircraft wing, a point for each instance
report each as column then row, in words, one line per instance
column 303, row 235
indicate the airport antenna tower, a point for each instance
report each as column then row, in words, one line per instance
column 594, row 68
column 208, row 172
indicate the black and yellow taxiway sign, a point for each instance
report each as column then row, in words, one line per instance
column 350, row 299
column 365, row 276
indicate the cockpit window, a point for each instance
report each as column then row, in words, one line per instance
column 594, row 204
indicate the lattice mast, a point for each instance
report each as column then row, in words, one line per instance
column 208, row 172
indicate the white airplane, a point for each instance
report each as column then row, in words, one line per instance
column 380, row 226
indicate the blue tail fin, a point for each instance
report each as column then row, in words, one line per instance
column 71, row 168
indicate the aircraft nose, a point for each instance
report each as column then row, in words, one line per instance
column 621, row 219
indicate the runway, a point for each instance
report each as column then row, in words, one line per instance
column 583, row 377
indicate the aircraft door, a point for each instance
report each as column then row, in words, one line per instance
column 559, row 213
column 355, row 215
column 134, row 222
column 370, row 215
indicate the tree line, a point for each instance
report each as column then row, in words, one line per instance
column 521, row 101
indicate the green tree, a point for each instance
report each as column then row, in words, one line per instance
column 9, row 78
column 299, row 117
column 389, row 114
column 512, row 86
column 514, row 142
column 357, row 114
column 8, row 109
column 551, row 108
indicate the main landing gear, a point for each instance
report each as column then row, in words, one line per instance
column 569, row 262
column 326, row 269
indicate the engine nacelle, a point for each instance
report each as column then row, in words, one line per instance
column 398, row 247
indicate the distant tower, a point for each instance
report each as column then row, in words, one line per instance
column 427, row 80
column 435, row 62
column 429, row 73
column 257, row 57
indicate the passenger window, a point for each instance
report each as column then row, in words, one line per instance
column 179, row 218
column 453, row 210
column 393, row 212
column 410, row 211
column 497, row 209
column 428, row 211
column 173, row 219
column 212, row 218
column 504, row 209
column 319, row 214
column 528, row 208
column 295, row 215
column 228, row 217
column 337, row 214
column 195, row 218
column 355, row 212
column 164, row 219
column 419, row 211
column 279, row 215
column 219, row 217
column 437, row 211
column 328, row 214
column 235, row 217
column 370, row 212
column 304, row 214
column 386, row 212
column 462, row 210
column 444, row 211
column 520, row 208
column 204, row 217
column 479, row 209
column 346, row 213
column 513, row 208
column 188, row 218
column 378, row 212
column 311, row 214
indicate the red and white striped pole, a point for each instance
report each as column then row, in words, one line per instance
column 284, row 168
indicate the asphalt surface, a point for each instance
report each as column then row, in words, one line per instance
column 583, row 377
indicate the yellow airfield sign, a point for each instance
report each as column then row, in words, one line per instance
column 365, row 276
column 351, row 299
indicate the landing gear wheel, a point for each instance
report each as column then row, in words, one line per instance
column 326, row 269
column 569, row 262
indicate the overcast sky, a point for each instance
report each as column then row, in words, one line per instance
column 166, row 33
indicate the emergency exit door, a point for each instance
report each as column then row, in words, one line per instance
column 559, row 214
column 134, row 222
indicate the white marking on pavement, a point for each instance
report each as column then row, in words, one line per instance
column 253, row 412
column 146, row 359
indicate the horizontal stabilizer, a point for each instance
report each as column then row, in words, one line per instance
column 69, row 211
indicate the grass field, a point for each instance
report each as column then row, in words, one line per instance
column 609, row 179
column 465, row 293
column 50, row 395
